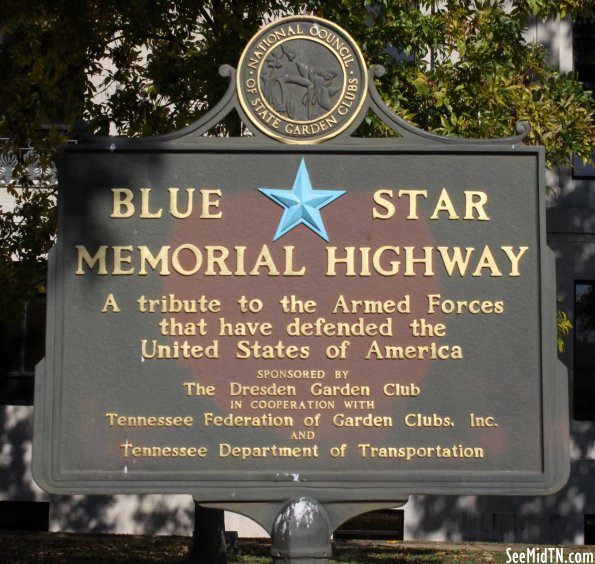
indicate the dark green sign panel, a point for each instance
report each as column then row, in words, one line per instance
column 203, row 339
column 244, row 320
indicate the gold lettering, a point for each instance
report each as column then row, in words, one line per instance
column 145, row 201
column 120, row 260
column 413, row 195
column 487, row 261
column 366, row 450
column 410, row 261
column 476, row 421
column 129, row 450
column 116, row 420
column 196, row 256
column 122, row 199
column 476, row 201
column 208, row 202
column 219, row 261
column 432, row 351
column 369, row 420
column 332, row 261
column 289, row 270
column 384, row 203
column 110, row 302
column 173, row 203
column 264, row 259
column 456, row 260
column 272, row 451
column 394, row 264
column 197, row 389
column 514, row 259
column 146, row 257
column 98, row 258
column 444, row 204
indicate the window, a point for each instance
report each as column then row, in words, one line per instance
column 583, row 39
column 22, row 346
column 584, row 351
column 589, row 529
column 583, row 48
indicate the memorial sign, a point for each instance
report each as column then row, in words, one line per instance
column 258, row 319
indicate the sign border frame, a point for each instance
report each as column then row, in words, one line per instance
column 554, row 400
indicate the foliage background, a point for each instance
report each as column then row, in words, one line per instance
column 145, row 67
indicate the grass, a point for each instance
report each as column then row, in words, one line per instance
column 69, row 548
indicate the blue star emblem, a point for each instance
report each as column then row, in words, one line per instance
column 302, row 204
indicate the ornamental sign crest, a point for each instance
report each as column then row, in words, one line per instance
column 302, row 80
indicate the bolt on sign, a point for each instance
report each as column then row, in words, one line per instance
column 301, row 312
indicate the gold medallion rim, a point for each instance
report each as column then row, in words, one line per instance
column 333, row 133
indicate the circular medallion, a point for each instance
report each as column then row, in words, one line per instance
column 302, row 79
